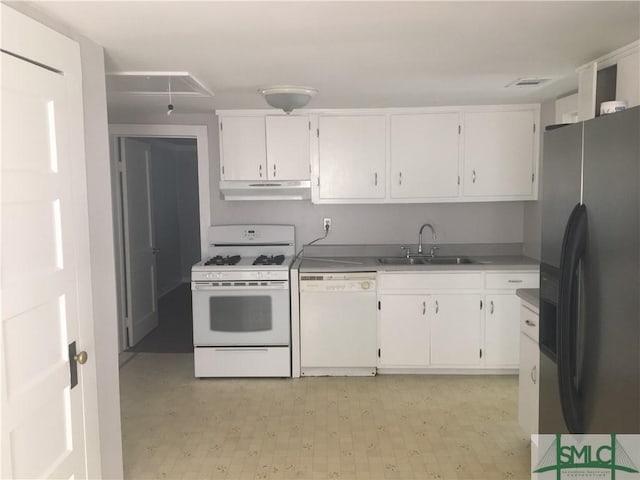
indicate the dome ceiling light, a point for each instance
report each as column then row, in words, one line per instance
column 287, row 97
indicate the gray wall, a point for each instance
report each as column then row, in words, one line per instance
column 500, row 222
column 532, row 211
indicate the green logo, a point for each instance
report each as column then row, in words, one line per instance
column 610, row 456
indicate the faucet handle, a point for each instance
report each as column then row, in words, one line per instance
column 432, row 250
column 407, row 250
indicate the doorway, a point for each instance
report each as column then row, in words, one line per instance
column 161, row 219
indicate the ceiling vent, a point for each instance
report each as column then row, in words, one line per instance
column 156, row 83
column 527, row 82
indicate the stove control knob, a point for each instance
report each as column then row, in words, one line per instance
column 366, row 285
column 209, row 275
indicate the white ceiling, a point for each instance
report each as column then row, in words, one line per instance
column 357, row 54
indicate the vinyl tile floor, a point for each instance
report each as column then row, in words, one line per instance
column 386, row 427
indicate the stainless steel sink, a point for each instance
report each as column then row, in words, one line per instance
column 425, row 261
column 402, row 261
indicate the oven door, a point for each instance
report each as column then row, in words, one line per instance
column 241, row 313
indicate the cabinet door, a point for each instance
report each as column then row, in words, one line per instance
column 455, row 330
column 424, row 155
column 288, row 154
column 502, row 330
column 499, row 153
column 404, row 331
column 243, row 148
column 352, row 152
column 528, row 396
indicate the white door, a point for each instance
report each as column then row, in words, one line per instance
column 498, row 153
column 243, row 148
column 352, row 156
column 502, row 330
column 46, row 295
column 404, row 331
column 424, row 155
column 141, row 307
column 455, row 330
column 288, row 154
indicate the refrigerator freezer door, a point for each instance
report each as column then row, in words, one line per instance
column 611, row 381
column 561, row 182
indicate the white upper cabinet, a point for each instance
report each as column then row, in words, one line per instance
column 259, row 147
column 425, row 155
column 352, row 156
column 243, row 148
column 288, row 154
column 499, row 154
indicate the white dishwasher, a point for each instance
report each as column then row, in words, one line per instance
column 338, row 333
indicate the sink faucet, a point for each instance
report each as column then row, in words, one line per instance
column 433, row 232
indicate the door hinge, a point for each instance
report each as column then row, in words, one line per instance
column 220, row 126
column 533, row 177
column 458, row 179
column 534, row 128
column 378, row 353
column 309, row 168
column 480, row 304
column 459, row 129
column 379, row 305
column 309, row 125
column 480, row 353
column 318, row 181
column 223, row 169
column 318, row 132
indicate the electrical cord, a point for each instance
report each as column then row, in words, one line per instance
column 326, row 233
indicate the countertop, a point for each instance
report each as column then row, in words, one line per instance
column 530, row 295
column 371, row 264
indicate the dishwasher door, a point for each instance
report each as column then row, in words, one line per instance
column 338, row 333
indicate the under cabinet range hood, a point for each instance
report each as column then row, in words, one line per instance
column 267, row 190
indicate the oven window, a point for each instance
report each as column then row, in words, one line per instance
column 240, row 314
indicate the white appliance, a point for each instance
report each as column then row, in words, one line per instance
column 241, row 302
column 338, row 333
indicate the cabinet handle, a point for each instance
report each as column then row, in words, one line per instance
column 400, row 178
column 514, row 281
column 437, row 307
column 260, row 171
column 530, row 323
column 424, row 308
column 491, row 309
column 375, row 179
column 274, row 170
column 473, row 177
column 534, row 374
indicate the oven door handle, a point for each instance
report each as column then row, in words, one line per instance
column 244, row 349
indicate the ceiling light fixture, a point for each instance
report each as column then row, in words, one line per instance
column 288, row 97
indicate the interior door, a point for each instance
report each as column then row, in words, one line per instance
column 141, row 308
column 44, row 232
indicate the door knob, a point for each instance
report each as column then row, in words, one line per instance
column 155, row 251
column 81, row 357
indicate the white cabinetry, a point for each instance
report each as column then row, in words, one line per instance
column 352, row 156
column 424, row 155
column 528, row 389
column 265, row 147
column 499, row 153
column 403, row 330
column 455, row 330
column 502, row 330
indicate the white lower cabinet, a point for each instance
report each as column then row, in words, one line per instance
column 455, row 330
column 403, row 331
column 528, row 396
column 450, row 320
column 502, row 330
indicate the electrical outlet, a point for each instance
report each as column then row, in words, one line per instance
column 326, row 223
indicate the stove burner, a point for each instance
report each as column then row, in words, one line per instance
column 220, row 260
column 272, row 260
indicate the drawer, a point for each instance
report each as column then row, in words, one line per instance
column 512, row 280
column 529, row 323
column 429, row 281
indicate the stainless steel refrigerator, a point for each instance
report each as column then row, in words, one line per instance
column 590, row 277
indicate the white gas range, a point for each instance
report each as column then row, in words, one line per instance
column 241, row 302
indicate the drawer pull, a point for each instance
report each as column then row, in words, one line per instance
column 515, row 281
column 437, row 307
column 534, row 374
column 492, row 307
column 530, row 323
column 424, row 308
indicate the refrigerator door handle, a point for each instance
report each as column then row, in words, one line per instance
column 567, row 334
